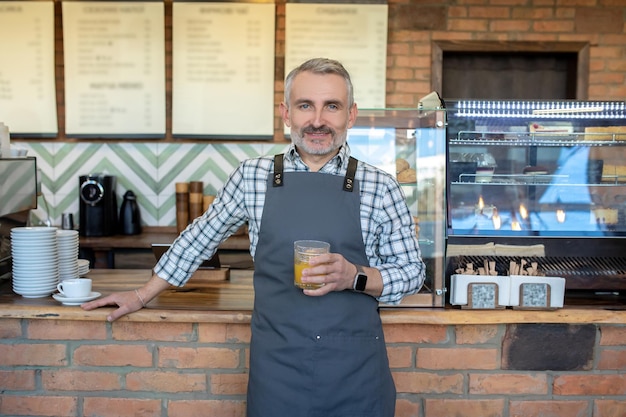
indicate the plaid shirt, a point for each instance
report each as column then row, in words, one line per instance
column 388, row 229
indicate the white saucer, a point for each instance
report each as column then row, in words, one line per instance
column 75, row 301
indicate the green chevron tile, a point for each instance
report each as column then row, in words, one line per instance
column 147, row 175
column 43, row 151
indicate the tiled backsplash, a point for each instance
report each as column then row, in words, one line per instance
column 149, row 169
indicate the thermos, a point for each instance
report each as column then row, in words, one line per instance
column 130, row 217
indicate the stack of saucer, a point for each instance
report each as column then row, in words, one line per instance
column 35, row 262
column 67, row 244
column 83, row 267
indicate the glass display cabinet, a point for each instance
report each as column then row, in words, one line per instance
column 537, row 174
column 411, row 145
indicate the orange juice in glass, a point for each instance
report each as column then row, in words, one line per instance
column 303, row 250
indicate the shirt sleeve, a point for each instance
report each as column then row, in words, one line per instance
column 200, row 240
column 390, row 237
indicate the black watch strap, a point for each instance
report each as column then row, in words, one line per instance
column 360, row 280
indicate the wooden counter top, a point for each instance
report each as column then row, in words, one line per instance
column 152, row 235
column 232, row 302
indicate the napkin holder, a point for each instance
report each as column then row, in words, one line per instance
column 479, row 292
column 536, row 292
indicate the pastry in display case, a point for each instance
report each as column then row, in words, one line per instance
column 410, row 144
column 550, row 173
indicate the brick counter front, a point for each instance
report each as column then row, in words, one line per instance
column 63, row 361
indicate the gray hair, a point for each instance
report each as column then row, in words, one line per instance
column 320, row 66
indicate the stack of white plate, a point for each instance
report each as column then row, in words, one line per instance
column 35, row 261
column 67, row 245
column 83, row 267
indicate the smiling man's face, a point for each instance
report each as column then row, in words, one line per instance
column 318, row 114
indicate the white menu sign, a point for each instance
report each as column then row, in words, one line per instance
column 354, row 34
column 27, row 82
column 223, row 69
column 114, row 68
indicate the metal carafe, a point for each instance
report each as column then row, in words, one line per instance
column 130, row 217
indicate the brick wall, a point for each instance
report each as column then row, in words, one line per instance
column 414, row 25
column 89, row 368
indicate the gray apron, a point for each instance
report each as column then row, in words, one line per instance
column 314, row 356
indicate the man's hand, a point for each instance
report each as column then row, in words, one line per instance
column 337, row 274
column 127, row 301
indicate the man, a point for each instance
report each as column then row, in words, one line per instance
column 315, row 352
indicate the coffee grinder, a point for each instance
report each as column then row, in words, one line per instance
column 98, row 205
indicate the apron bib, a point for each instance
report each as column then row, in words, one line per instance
column 314, row 356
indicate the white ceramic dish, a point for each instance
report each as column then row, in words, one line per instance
column 34, row 294
column 75, row 301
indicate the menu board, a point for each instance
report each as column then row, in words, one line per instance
column 27, row 82
column 114, row 68
column 223, row 70
column 354, row 34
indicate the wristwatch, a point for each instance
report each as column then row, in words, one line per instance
column 360, row 280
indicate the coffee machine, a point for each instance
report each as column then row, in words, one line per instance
column 98, row 205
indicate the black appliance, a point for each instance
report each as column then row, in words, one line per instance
column 98, row 205
column 130, row 216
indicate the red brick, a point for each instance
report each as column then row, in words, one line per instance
column 551, row 408
column 223, row 333
column 599, row 20
column 166, row 332
column 115, row 407
column 189, row 408
column 446, row 407
column 457, row 12
column 17, row 380
column 612, row 336
column 612, row 39
column 532, row 13
column 399, row 73
column 53, row 406
column 428, row 383
column 477, row 334
column 229, row 384
column 10, row 328
column 609, row 408
column 113, row 355
column 457, row 358
column 165, row 382
column 585, row 384
column 202, row 358
column 553, row 26
column 606, row 52
column 45, row 354
column 490, row 12
column 71, row 380
column 406, row 408
column 612, row 359
column 509, row 26
column 508, row 384
column 468, row 25
column 66, row 330
column 415, row 333
column 400, row 356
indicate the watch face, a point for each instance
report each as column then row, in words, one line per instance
column 361, row 282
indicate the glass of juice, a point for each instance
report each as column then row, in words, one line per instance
column 303, row 250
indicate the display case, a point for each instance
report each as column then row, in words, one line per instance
column 410, row 144
column 540, row 180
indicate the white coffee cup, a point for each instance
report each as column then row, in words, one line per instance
column 75, row 288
